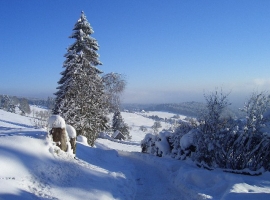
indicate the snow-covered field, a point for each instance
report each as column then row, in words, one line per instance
column 29, row 169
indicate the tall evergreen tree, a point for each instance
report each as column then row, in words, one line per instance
column 80, row 98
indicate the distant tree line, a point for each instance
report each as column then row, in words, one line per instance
column 22, row 105
column 11, row 103
column 46, row 103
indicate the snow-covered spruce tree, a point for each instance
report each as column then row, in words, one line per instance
column 80, row 98
column 118, row 124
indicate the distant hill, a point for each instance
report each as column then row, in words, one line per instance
column 192, row 109
column 186, row 108
column 135, row 107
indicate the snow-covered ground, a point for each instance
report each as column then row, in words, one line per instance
column 29, row 169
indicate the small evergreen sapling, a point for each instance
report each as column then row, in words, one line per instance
column 118, row 124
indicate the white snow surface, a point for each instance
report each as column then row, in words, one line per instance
column 31, row 168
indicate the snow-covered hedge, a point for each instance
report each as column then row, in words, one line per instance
column 240, row 146
column 231, row 150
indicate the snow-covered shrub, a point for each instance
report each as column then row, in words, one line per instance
column 251, row 148
column 181, row 129
column 148, row 144
column 212, row 125
column 40, row 118
column 157, row 145
column 256, row 112
column 240, row 146
column 178, row 142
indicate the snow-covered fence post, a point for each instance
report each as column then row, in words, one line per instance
column 58, row 131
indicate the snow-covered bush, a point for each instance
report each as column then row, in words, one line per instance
column 241, row 146
column 179, row 131
column 40, row 118
column 255, row 110
column 212, row 126
column 157, row 145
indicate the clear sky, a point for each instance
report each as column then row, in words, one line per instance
column 170, row 51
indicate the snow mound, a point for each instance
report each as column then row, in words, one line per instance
column 187, row 140
column 82, row 139
column 71, row 131
column 56, row 121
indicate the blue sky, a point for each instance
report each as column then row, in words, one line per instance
column 169, row 51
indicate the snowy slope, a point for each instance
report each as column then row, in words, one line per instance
column 29, row 169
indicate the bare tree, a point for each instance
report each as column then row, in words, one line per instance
column 114, row 86
column 255, row 110
column 212, row 118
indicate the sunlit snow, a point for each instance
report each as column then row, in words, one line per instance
column 31, row 168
